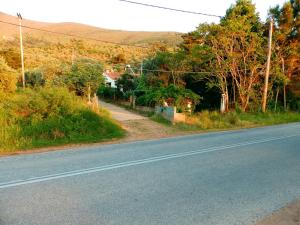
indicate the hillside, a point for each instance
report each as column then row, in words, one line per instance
column 8, row 30
column 44, row 49
column 125, row 37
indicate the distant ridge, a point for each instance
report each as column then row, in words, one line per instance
column 125, row 37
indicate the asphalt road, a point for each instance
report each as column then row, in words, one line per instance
column 224, row 178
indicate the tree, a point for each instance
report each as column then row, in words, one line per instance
column 127, row 82
column 168, row 67
column 287, row 46
column 85, row 77
column 230, row 55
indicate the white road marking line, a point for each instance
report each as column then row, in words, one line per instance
column 136, row 162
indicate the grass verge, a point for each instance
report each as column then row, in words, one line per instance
column 206, row 120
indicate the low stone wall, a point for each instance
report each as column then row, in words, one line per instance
column 170, row 114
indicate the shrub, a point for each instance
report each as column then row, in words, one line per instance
column 174, row 95
column 109, row 93
column 8, row 77
column 51, row 116
column 34, row 78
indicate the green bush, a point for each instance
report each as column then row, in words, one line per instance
column 109, row 93
column 34, row 78
column 51, row 116
column 175, row 96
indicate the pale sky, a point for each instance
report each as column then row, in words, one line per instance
column 114, row 14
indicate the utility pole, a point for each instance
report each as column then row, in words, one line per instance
column 284, row 85
column 21, row 48
column 265, row 94
column 142, row 68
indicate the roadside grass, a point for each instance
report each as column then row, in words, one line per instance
column 206, row 121
column 84, row 126
column 50, row 117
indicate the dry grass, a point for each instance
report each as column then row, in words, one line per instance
column 126, row 37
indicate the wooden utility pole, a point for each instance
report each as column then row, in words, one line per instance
column 284, row 84
column 265, row 94
column 21, row 48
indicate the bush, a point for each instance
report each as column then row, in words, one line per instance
column 8, row 77
column 172, row 94
column 51, row 116
column 109, row 93
column 34, row 79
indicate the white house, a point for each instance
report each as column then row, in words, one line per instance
column 110, row 78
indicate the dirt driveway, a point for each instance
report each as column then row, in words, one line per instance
column 137, row 126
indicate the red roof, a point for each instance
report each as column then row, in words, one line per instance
column 113, row 75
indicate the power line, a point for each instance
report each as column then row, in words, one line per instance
column 182, row 71
column 174, row 71
column 74, row 35
column 170, row 9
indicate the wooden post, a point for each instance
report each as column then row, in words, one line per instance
column 22, row 50
column 265, row 93
column 284, row 85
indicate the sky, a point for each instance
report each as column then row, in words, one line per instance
column 114, row 14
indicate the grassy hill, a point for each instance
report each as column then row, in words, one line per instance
column 43, row 48
column 10, row 31
column 125, row 37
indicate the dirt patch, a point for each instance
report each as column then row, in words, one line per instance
column 289, row 215
column 146, row 129
column 139, row 127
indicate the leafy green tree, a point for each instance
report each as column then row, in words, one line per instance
column 230, row 55
column 167, row 67
column 85, row 77
column 243, row 10
column 127, row 82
